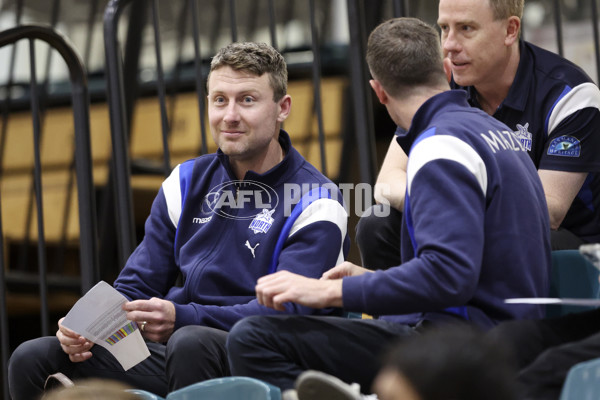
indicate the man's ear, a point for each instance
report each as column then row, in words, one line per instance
column 379, row 91
column 512, row 30
column 285, row 105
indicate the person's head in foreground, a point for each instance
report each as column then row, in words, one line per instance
column 92, row 389
column 453, row 362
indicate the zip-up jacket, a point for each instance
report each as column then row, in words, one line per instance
column 221, row 234
column 475, row 229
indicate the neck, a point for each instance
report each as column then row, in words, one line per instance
column 272, row 156
column 404, row 109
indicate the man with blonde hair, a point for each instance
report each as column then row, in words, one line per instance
column 221, row 222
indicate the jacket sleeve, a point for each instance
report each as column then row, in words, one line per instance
column 151, row 270
column 444, row 214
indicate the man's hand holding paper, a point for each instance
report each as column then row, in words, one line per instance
column 75, row 345
column 99, row 316
column 156, row 315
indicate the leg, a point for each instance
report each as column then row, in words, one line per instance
column 194, row 354
column 378, row 238
column 277, row 349
column 32, row 362
column 529, row 338
column 562, row 239
column 544, row 378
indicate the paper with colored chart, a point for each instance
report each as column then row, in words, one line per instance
column 98, row 316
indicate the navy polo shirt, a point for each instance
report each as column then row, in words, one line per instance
column 554, row 108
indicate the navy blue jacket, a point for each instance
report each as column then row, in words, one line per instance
column 222, row 234
column 475, row 229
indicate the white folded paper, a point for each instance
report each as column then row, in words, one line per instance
column 553, row 300
column 98, row 316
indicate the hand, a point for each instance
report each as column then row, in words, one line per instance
column 158, row 314
column 75, row 345
column 344, row 269
column 282, row 287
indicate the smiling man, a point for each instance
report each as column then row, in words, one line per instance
column 548, row 102
column 220, row 221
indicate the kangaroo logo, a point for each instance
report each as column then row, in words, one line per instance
column 252, row 248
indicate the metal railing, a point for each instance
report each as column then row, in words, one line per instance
column 86, row 200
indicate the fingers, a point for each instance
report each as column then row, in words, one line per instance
column 80, row 357
column 269, row 286
column 339, row 271
column 73, row 344
column 143, row 310
column 344, row 269
column 158, row 315
column 66, row 332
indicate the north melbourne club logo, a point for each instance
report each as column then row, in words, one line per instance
column 262, row 222
column 524, row 136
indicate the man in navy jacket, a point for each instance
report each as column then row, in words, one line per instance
column 473, row 233
column 221, row 221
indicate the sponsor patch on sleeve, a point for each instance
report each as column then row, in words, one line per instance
column 565, row 146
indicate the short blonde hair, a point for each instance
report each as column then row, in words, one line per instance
column 92, row 389
column 256, row 58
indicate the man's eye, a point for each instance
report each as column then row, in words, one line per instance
column 248, row 99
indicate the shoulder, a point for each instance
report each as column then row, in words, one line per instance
column 549, row 65
column 305, row 172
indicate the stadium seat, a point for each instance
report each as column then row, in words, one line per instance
column 572, row 277
column 229, row 388
column 583, row 382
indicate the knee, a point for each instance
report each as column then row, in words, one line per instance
column 378, row 221
column 31, row 363
column 367, row 223
column 193, row 339
column 244, row 332
column 27, row 354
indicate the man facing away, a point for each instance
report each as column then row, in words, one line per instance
column 220, row 221
column 475, row 232
column 548, row 102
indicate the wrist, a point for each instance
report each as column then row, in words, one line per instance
column 335, row 293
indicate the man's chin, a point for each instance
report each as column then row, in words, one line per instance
column 462, row 80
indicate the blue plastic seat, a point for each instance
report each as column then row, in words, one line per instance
column 229, row 388
column 582, row 382
column 572, row 277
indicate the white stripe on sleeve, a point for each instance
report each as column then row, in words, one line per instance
column 446, row 147
column 324, row 210
column 580, row 97
column 172, row 191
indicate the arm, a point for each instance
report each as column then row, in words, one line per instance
column 283, row 287
column 391, row 181
column 560, row 188
column 317, row 241
column 447, row 204
column 576, row 116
